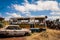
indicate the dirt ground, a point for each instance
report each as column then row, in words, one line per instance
column 49, row 34
column 46, row 35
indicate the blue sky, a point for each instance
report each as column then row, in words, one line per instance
column 19, row 8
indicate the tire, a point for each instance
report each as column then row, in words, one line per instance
column 27, row 34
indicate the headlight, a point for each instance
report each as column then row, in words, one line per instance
column 29, row 31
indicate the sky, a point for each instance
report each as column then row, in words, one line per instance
column 30, row 8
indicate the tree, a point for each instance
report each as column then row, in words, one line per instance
column 57, row 20
column 1, row 25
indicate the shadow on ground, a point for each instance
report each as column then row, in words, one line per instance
column 4, row 36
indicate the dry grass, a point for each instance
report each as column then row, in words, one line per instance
column 47, row 35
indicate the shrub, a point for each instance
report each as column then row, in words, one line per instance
column 1, row 25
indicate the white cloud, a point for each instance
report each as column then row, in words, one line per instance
column 41, row 5
column 13, row 14
column 10, row 15
column 50, row 0
column 7, row 18
column 26, row 1
column 38, row 16
column 47, row 5
column 32, row 7
column 55, row 13
column 53, row 17
column 19, row 8
column 59, row 5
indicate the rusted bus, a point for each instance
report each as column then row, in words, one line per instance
column 29, row 22
column 29, row 26
column 39, row 26
column 6, row 23
column 24, row 25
